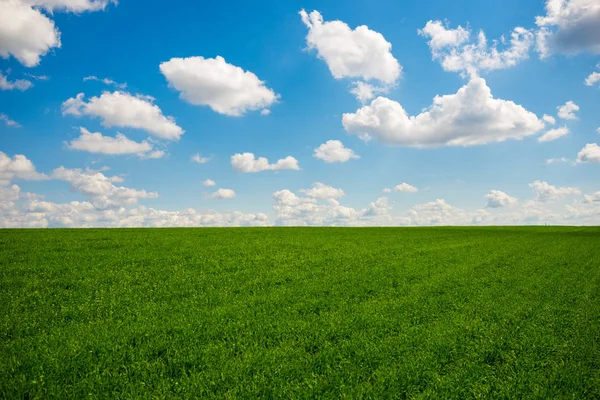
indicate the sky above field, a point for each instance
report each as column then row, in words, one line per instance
column 193, row 113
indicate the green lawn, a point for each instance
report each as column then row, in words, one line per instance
column 449, row 313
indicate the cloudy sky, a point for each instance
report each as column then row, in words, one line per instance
column 299, row 113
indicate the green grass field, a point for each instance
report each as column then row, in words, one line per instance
column 452, row 313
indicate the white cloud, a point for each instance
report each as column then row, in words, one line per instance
column 323, row 209
column 209, row 182
column 17, row 167
column 153, row 154
column 100, row 188
column 554, row 134
column 28, row 34
column 106, row 81
column 569, row 27
column 222, row 194
column 387, row 190
column 119, row 145
column 592, row 79
column 497, row 199
column 567, row 111
column 546, row 192
column 588, row 198
column 364, row 91
column 470, row 117
column 549, row 119
column 74, row 6
column 19, row 84
column 590, row 153
column 403, row 187
column 9, row 122
column 334, row 151
column 125, row 110
column 25, row 32
column 557, row 160
column 451, row 47
column 247, row 162
column 265, row 112
column 225, row 88
column 199, row 159
column 359, row 53
column 321, row 191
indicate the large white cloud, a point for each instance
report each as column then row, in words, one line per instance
column 497, row 199
column 334, row 151
column 17, row 167
column 18, row 84
column 28, row 34
column 590, row 153
column 470, row 117
column 554, row 134
column 125, row 110
column 25, row 32
column 100, row 144
column 456, row 54
column 546, row 192
column 569, row 27
column 100, row 188
column 351, row 53
column 247, row 162
column 225, row 88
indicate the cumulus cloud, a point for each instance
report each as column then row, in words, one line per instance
column 28, row 34
column 334, row 151
column 247, row 162
column 225, row 88
column 589, row 154
column 222, row 194
column 351, row 53
column 320, row 207
column 17, row 167
column 567, row 111
column 100, row 189
column 119, row 145
column 470, row 117
column 364, row 91
column 549, row 119
column 321, row 191
column 125, row 110
column 569, row 27
column 554, row 134
column 9, row 122
column 209, row 182
column 25, row 32
column 403, row 187
column 197, row 158
column 452, row 48
column 106, row 81
column 592, row 79
column 545, row 192
column 497, row 199
column 19, row 84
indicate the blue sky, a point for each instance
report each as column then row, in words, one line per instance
column 221, row 80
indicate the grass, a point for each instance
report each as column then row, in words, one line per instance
column 453, row 313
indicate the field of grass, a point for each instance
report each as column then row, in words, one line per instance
column 451, row 313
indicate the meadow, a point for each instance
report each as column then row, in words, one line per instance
column 298, row 313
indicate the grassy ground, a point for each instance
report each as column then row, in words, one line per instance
column 300, row 313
